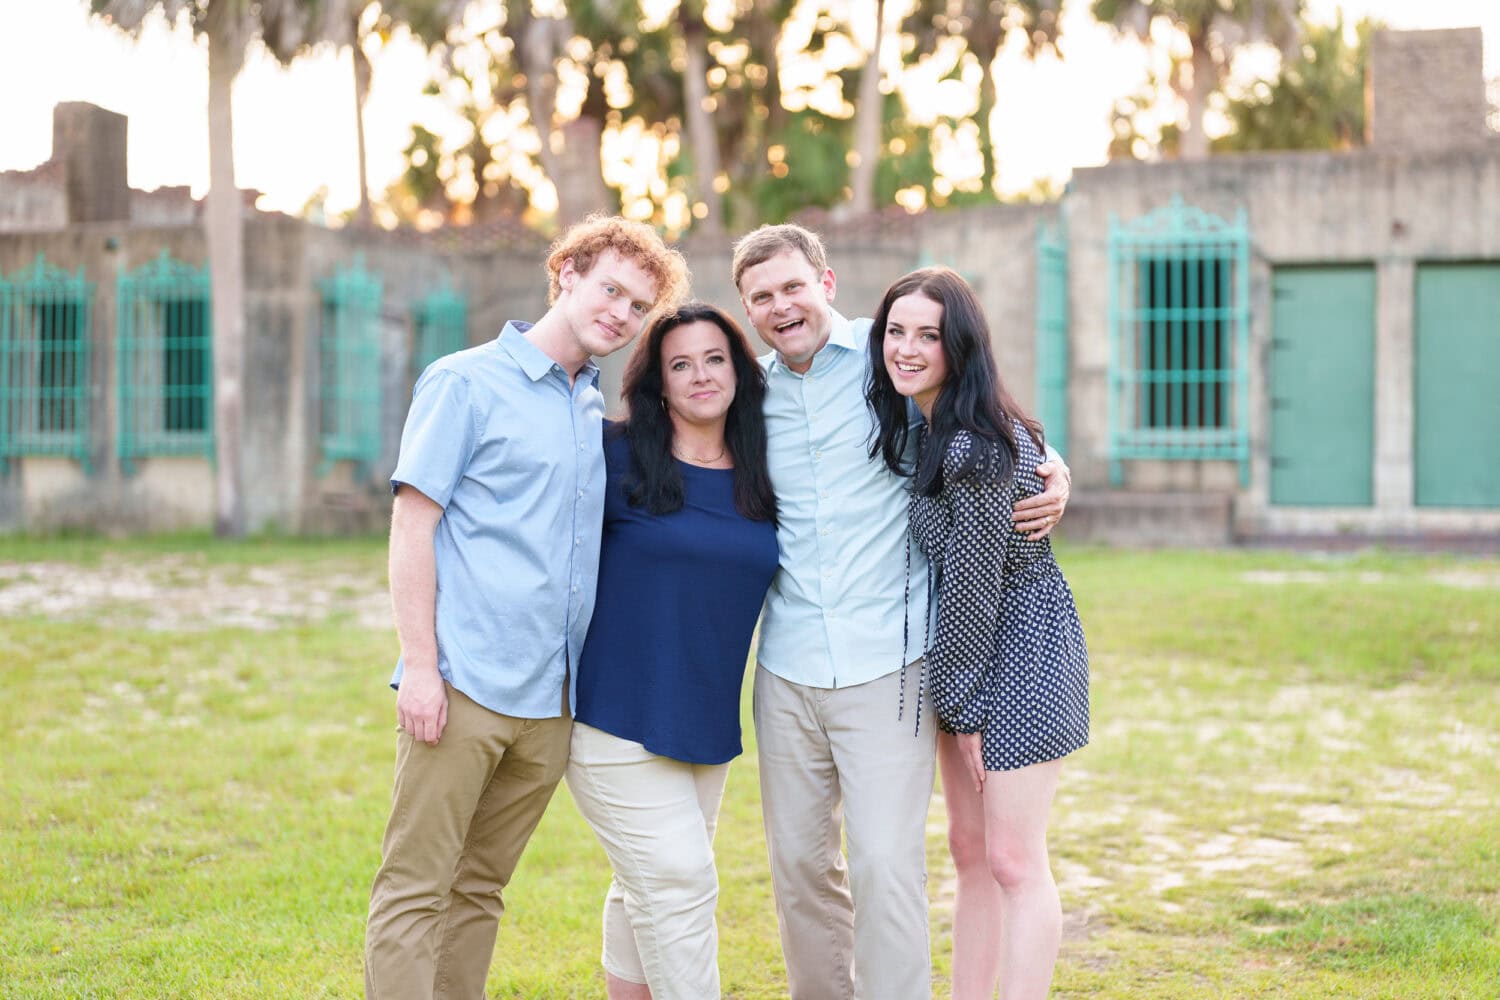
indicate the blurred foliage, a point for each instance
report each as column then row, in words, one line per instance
column 1316, row 102
column 776, row 152
column 1215, row 31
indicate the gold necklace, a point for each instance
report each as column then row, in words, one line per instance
column 695, row 460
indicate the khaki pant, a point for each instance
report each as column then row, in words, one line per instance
column 460, row 814
column 832, row 758
column 655, row 818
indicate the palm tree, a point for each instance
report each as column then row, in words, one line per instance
column 229, row 26
column 869, row 116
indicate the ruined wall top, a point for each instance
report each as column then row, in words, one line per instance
column 1425, row 90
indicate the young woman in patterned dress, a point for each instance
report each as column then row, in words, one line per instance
column 1006, row 662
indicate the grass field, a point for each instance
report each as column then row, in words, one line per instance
column 1291, row 791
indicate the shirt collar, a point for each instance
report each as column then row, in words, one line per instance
column 533, row 361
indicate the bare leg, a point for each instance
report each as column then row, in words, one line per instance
column 976, row 910
column 623, row 989
column 1016, row 805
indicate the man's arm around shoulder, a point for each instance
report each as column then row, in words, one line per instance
column 421, row 701
column 1036, row 516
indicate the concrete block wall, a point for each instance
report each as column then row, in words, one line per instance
column 1425, row 89
column 50, row 493
column 1390, row 210
column 284, row 482
column 33, row 199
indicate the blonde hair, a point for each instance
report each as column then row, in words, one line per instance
column 760, row 245
column 635, row 241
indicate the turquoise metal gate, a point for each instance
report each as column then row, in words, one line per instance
column 164, row 360
column 441, row 322
column 1052, row 332
column 1179, row 338
column 349, row 362
column 45, row 336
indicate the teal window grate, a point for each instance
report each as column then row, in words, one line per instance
column 45, row 382
column 1052, row 332
column 1179, row 338
column 440, row 326
column 349, row 364
column 164, row 361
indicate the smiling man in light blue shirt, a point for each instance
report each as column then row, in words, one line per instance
column 839, row 745
column 495, row 536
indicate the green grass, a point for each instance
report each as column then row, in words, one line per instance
column 1290, row 790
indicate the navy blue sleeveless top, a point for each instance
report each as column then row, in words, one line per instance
column 678, row 598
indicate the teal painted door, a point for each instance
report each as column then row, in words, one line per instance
column 1458, row 385
column 1323, row 386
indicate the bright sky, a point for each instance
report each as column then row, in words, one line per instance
column 294, row 134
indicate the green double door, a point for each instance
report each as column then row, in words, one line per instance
column 1323, row 386
column 1457, row 440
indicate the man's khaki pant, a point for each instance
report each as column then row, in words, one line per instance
column 460, row 814
column 832, row 758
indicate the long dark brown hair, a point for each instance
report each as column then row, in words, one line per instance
column 657, row 483
column 972, row 396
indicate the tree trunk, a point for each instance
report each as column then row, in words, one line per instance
column 580, row 171
column 987, row 50
column 700, row 124
column 766, row 114
column 536, row 52
column 1205, row 76
column 361, row 95
column 224, row 230
column 869, row 116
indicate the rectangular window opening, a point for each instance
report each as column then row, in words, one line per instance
column 58, row 326
column 185, row 364
column 1185, row 350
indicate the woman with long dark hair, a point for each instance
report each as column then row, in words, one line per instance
column 689, row 549
column 1005, row 661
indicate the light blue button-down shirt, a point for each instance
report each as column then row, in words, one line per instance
column 513, row 453
column 834, row 614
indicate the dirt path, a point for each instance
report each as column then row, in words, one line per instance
column 178, row 592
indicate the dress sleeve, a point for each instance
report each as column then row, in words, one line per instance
column 962, row 650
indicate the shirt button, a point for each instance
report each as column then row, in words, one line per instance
column 580, row 494
column 824, row 494
column 818, row 453
column 825, row 531
column 575, row 590
column 578, row 541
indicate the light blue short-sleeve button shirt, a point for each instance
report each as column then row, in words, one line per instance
column 512, row 452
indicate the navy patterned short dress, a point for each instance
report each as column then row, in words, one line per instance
column 1007, row 656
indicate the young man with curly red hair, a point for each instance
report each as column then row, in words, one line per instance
column 499, row 494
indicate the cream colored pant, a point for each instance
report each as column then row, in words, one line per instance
column 655, row 817
column 839, row 760
column 460, row 814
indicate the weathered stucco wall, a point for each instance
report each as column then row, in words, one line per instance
column 1390, row 210
column 1385, row 209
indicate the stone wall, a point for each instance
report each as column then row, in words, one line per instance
column 33, row 199
column 91, row 144
column 1371, row 207
column 1425, row 89
column 286, row 485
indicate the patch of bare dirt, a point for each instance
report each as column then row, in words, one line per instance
column 174, row 593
